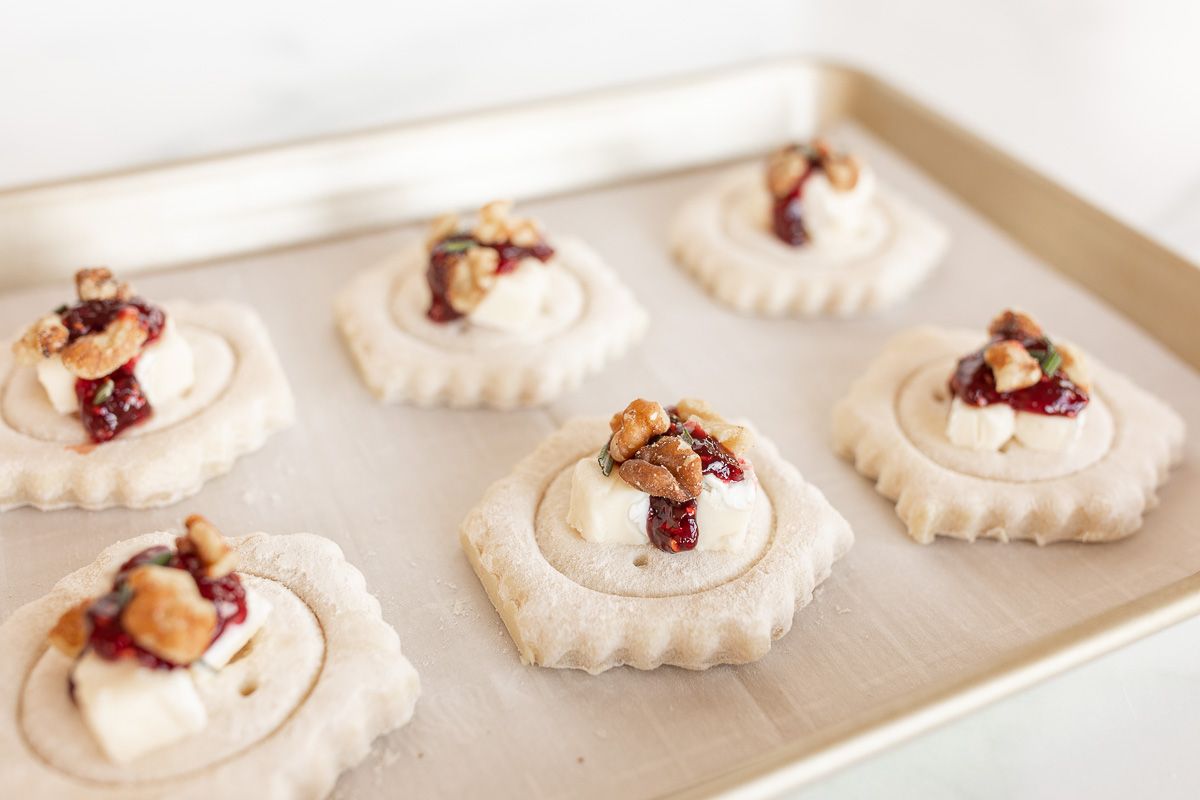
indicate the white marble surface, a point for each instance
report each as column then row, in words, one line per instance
column 1101, row 95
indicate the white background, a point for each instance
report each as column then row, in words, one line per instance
column 1100, row 95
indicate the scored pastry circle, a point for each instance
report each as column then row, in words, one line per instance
column 691, row 622
column 722, row 237
column 405, row 357
column 1096, row 493
column 325, row 677
column 230, row 412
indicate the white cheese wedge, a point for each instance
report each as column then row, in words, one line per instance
column 980, row 427
column 1048, row 433
column 606, row 510
column 723, row 512
column 831, row 215
column 235, row 636
column 131, row 709
column 517, row 298
column 165, row 371
column 59, row 385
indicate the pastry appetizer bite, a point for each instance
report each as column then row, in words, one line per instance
column 114, row 400
column 183, row 665
column 659, row 537
column 1012, row 435
column 812, row 234
column 491, row 314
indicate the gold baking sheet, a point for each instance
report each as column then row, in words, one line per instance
column 901, row 637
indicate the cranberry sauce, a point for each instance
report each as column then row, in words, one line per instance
column 672, row 526
column 974, row 382
column 786, row 219
column 109, row 638
column 448, row 251
column 93, row 316
column 109, row 405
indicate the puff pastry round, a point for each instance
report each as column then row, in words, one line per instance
column 722, row 236
column 892, row 426
column 323, row 678
column 241, row 397
column 404, row 357
column 569, row 603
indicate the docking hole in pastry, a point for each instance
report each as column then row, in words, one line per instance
column 491, row 316
column 1012, row 435
column 114, row 401
column 818, row 237
column 183, row 665
column 654, row 538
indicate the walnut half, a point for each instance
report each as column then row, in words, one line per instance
column 167, row 615
column 1012, row 366
column 99, row 354
column 44, row 339
column 737, row 439
column 203, row 539
column 70, row 634
column 667, row 468
column 635, row 426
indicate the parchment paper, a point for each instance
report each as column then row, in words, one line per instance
column 390, row 485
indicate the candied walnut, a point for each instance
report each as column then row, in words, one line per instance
column 842, row 171
column 443, row 227
column 1012, row 365
column 679, row 459
column 472, row 276
column 167, row 616
column 203, row 539
column 785, row 168
column 1015, row 325
column 734, row 438
column 44, row 338
column 652, row 479
column 98, row 283
column 635, row 426
column 1075, row 365
column 496, row 226
column 70, row 634
column 99, row 354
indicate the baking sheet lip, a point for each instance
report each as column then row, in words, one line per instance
column 789, row 768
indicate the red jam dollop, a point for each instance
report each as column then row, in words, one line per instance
column 787, row 220
column 448, row 251
column 109, row 405
column 115, row 402
column 109, row 639
column 974, row 382
column 671, row 526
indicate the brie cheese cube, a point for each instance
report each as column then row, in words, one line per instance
column 59, row 385
column 1048, row 433
column 235, row 636
column 517, row 298
column 831, row 215
column 131, row 709
column 980, row 427
column 606, row 509
column 723, row 512
column 165, row 369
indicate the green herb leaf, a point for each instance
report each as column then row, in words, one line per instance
column 606, row 461
column 687, row 436
column 104, row 392
column 1048, row 358
column 460, row 246
column 161, row 559
column 61, row 309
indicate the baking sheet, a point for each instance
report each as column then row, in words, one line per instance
column 390, row 485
